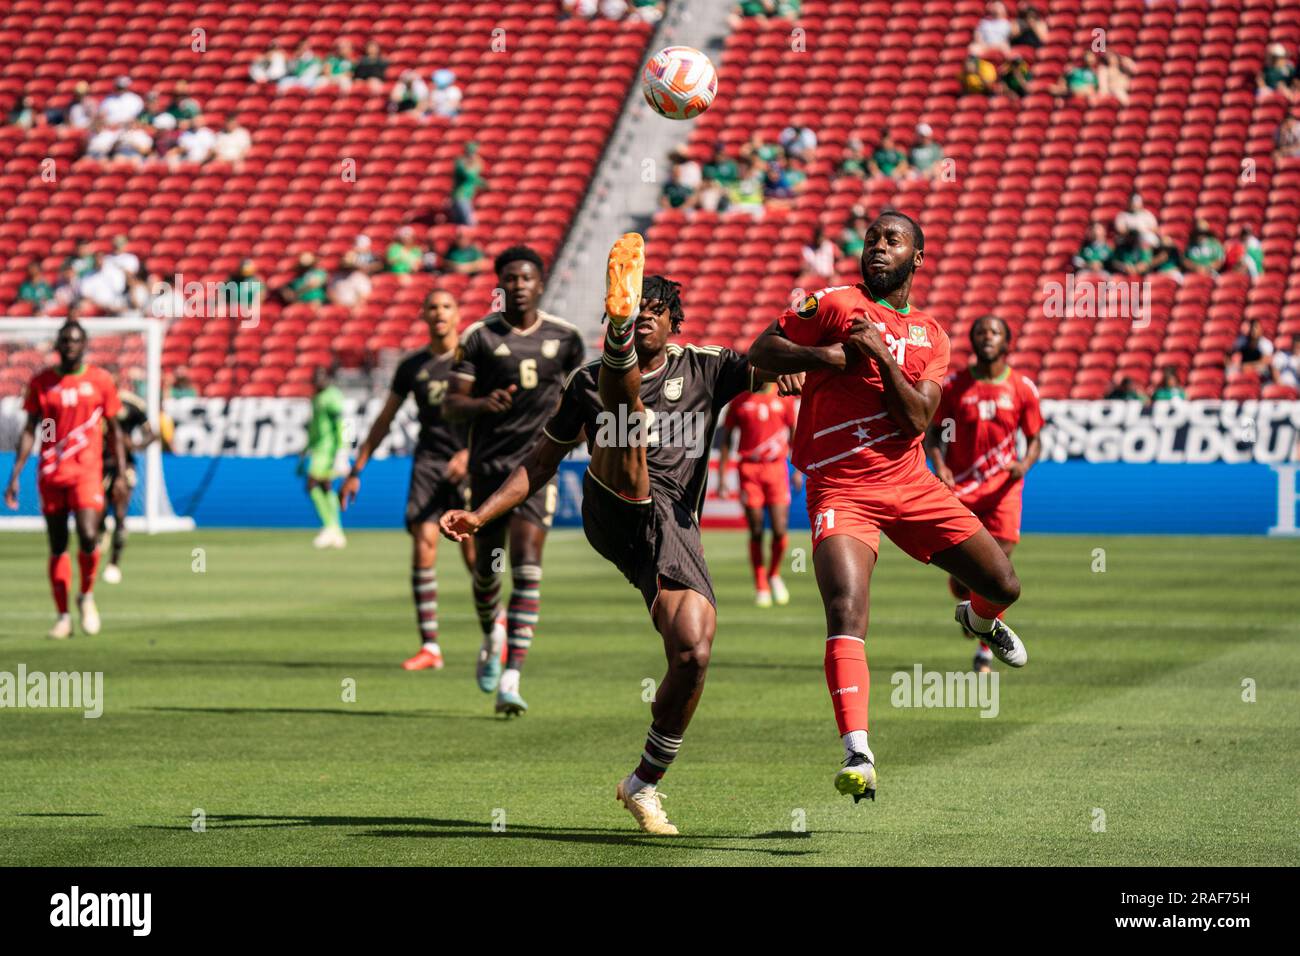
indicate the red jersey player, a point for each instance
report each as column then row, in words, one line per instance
column 764, row 421
column 979, row 414
column 874, row 367
column 68, row 407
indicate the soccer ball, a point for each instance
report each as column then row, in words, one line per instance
column 679, row 82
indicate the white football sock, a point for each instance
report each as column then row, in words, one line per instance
column 855, row 742
column 635, row 784
column 509, row 681
column 981, row 625
column 432, row 647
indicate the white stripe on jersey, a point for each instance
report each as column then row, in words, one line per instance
column 851, row 421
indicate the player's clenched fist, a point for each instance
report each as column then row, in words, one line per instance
column 459, row 525
column 499, row 399
column 790, row 384
column 865, row 338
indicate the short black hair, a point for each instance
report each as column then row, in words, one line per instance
column 918, row 237
column 1006, row 329
column 517, row 254
column 668, row 292
column 72, row 325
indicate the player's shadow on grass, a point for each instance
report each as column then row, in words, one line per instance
column 432, row 828
column 58, row 814
column 297, row 665
column 326, row 711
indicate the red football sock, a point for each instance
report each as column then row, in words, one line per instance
column 88, row 561
column 778, row 552
column 756, row 562
column 986, row 608
column 848, row 680
column 60, row 570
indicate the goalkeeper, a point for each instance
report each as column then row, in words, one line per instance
column 324, row 445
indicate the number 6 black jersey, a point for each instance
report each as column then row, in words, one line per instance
column 493, row 354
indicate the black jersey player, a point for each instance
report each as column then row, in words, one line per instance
column 137, row 435
column 506, row 382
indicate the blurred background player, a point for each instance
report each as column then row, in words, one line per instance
column 68, row 406
column 972, row 442
column 764, row 422
column 438, row 468
column 324, row 442
column 505, row 383
column 641, row 498
column 874, row 367
column 133, row 418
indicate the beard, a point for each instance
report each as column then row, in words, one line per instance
column 882, row 284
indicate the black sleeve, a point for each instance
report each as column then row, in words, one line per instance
column 732, row 375
column 403, row 379
column 577, row 351
column 565, row 426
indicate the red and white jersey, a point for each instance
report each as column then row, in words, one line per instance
column 986, row 415
column 764, row 421
column 845, row 433
column 70, row 410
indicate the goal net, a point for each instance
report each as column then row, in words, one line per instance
column 128, row 349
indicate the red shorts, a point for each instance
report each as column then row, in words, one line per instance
column 999, row 510
column 86, row 492
column 764, row 483
column 921, row 516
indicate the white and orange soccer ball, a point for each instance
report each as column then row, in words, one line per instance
column 679, row 82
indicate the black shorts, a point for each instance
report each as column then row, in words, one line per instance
column 431, row 493
column 538, row 509
column 650, row 542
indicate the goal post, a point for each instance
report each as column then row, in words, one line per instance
column 118, row 346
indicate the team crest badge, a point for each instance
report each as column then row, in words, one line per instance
column 673, row 388
column 808, row 308
column 551, row 347
column 916, row 335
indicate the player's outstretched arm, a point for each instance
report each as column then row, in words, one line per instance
column 378, row 431
column 537, row 470
column 118, row 442
column 773, row 352
column 1033, row 449
column 934, row 452
column 25, row 443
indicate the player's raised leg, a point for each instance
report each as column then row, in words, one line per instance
column 843, row 565
column 982, row 565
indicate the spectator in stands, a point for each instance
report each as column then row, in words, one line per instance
column 613, row 9
column 35, row 292
column 104, row 289
column 404, row 254
column 430, row 262
column 339, row 65
column 135, row 142
column 102, row 141
column 84, row 108
column 586, row 9
column 464, row 257
column 1137, row 218
column 409, row 93
column 756, row 9
column 122, row 106
column 446, row 96
column 232, row 143
column 196, row 140
column 1244, row 254
column 271, row 67
column 1288, row 139
column 308, row 284
column 819, row 257
column 887, row 159
column 993, row 33
column 851, row 239
column 856, row 162
column 798, row 141
column 24, row 114
column 721, row 168
column 153, row 107
column 1286, row 365
column 1124, row 388
column 365, row 256
column 138, row 297
column 1132, row 256
column 1167, row 258
column 926, row 155
column 776, row 185
column 1114, row 76
column 651, row 11
column 82, row 260
column 675, row 194
column 1204, row 251
column 372, row 67
column 182, row 105
column 1014, row 76
column 796, row 176
column 122, row 258
column 1252, row 351
column 248, row 285
column 691, row 173
column 1279, row 73
column 167, row 138
column 350, row 286
column 711, row 196
column 978, row 76
column 1171, row 385
column 305, row 69
column 67, row 288
column 181, row 386
column 1096, row 250
column 1079, row 82
column 466, row 180
column 1031, row 29
column 746, row 195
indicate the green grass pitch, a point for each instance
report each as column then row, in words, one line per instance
column 1125, row 741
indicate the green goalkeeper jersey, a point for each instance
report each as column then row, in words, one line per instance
column 325, row 430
